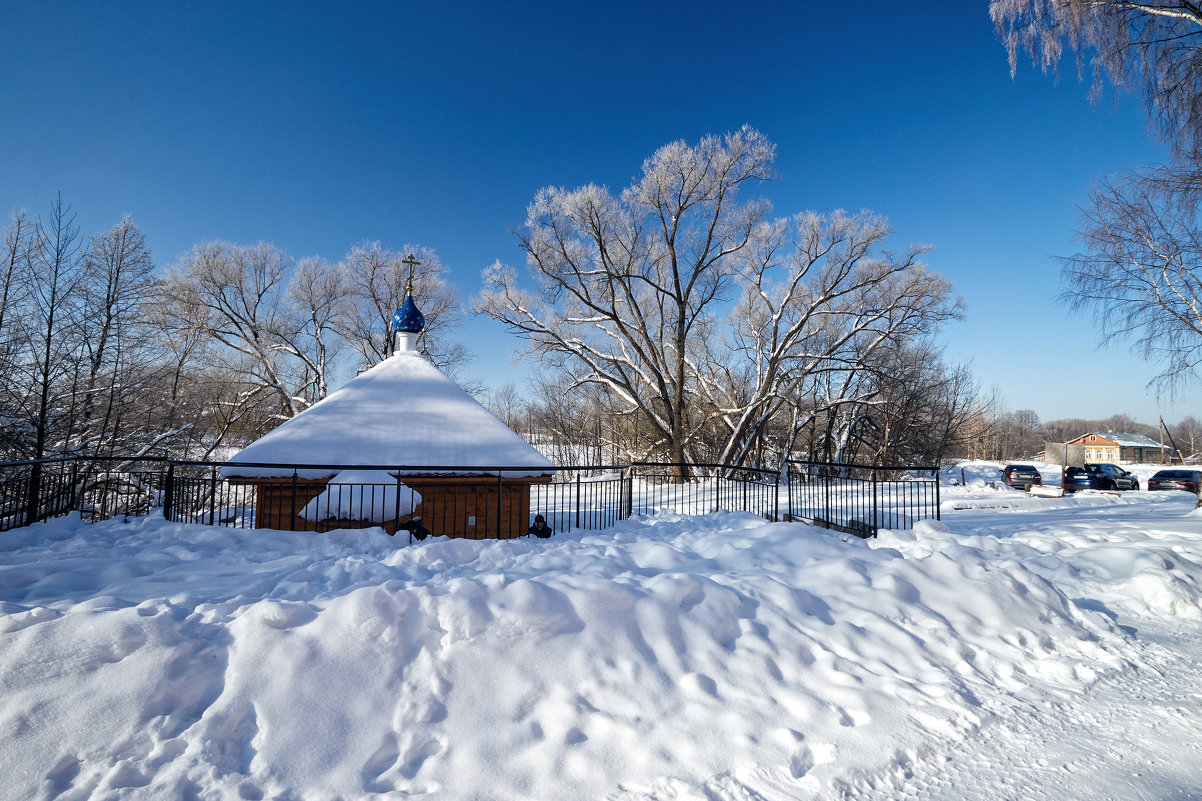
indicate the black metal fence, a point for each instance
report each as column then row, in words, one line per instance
column 862, row 499
column 584, row 497
column 98, row 488
column 853, row 498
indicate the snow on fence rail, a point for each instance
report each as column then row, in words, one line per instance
column 853, row 498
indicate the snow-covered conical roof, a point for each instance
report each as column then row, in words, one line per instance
column 401, row 412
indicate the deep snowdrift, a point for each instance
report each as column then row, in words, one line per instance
column 670, row 657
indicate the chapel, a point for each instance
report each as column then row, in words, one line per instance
column 398, row 446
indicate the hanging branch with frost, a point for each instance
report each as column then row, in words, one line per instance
column 1153, row 49
column 1139, row 274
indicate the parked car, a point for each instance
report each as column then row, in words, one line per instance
column 1021, row 476
column 1076, row 478
column 1187, row 480
column 1100, row 476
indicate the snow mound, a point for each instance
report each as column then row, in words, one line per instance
column 666, row 657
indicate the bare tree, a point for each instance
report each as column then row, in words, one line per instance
column 509, row 406
column 56, row 271
column 20, row 245
column 705, row 319
column 820, row 297
column 20, row 248
column 627, row 285
column 1188, row 434
column 82, row 371
column 238, row 294
column 183, row 349
column 377, row 279
column 920, row 407
column 114, row 290
column 1151, row 48
column 1138, row 273
column 318, row 300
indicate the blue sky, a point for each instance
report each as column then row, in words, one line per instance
column 315, row 127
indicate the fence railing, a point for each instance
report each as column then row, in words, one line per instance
column 96, row 487
column 852, row 498
column 861, row 499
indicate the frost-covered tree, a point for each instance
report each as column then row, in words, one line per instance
column 259, row 335
column 820, row 296
column 1139, row 273
column 698, row 314
column 318, row 302
column 629, row 284
column 377, row 279
column 238, row 294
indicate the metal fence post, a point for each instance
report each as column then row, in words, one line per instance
column 34, row 489
column 629, row 488
column 577, row 499
column 396, row 510
column 500, row 489
column 292, row 519
column 937, row 512
column 874, row 502
column 826, row 495
column 213, row 497
column 789, row 488
column 169, row 492
column 74, row 484
column 776, row 501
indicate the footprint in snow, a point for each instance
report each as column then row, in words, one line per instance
column 378, row 763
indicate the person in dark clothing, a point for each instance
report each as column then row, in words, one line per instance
column 540, row 528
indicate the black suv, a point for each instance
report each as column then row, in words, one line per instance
column 1021, row 476
column 1110, row 477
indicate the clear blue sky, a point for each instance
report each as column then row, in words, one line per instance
column 318, row 126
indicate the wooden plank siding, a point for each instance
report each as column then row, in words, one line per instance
column 470, row 507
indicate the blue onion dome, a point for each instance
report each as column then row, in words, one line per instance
column 408, row 320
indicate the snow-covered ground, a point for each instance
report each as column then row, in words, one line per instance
column 1021, row 648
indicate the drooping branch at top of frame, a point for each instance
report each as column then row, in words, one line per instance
column 1152, row 48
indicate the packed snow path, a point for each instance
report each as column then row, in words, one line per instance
column 1133, row 735
column 1026, row 649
